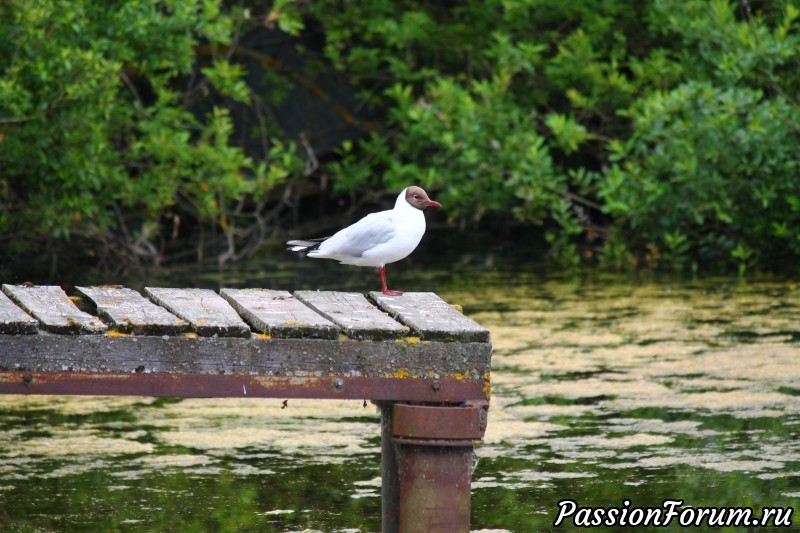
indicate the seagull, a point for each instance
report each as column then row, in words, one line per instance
column 378, row 238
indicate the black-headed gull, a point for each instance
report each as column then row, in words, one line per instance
column 378, row 238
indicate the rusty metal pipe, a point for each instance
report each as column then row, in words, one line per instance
column 428, row 467
column 434, row 489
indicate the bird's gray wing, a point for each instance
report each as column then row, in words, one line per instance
column 369, row 232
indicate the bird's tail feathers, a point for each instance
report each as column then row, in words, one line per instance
column 305, row 245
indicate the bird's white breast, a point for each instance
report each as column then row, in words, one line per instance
column 408, row 233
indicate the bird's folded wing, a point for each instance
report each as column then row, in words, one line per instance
column 369, row 232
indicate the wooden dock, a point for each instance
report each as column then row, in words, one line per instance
column 423, row 362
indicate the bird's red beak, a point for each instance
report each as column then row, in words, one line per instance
column 431, row 203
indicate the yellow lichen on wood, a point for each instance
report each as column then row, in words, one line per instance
column 263, row 336
column 487, row 385
column 401, row 374
column 115, row 333
column 190, row 335
column 408, row 340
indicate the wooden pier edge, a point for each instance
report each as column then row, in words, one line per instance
column 425, row 365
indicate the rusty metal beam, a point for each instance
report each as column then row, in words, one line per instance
column 241, row 386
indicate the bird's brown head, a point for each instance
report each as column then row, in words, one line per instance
column 419, row 198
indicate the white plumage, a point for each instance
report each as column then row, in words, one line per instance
column 377, row 239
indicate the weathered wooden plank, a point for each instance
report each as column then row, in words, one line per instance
column 130, row 312
column 51, row 306
column 279, row 314
column 13, row 319
column 426, row 360
column 353, row 313
column 431, row 317
column 207, row 312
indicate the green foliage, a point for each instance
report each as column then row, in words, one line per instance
column 486, row 118
column 102, row 140
column 714, row 160
column 667, row 128
column 671, row 124
column 714, row 166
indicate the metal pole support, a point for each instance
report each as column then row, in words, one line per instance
column 427, row 461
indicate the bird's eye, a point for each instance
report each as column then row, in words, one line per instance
column 416, row 197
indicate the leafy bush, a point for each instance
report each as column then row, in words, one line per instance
column 710, row 172
column 501, row 106
column 669, row 128
column 666, row 128
column 101, row 135
column 717, row 167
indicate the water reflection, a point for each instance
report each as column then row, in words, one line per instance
column 603, row 390
column 652, row 391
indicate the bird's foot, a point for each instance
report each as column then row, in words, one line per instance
column 389, row 292
column 384, row 289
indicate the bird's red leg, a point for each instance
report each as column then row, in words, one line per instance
column 384, row 289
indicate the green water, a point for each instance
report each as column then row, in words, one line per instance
column 605, row 389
